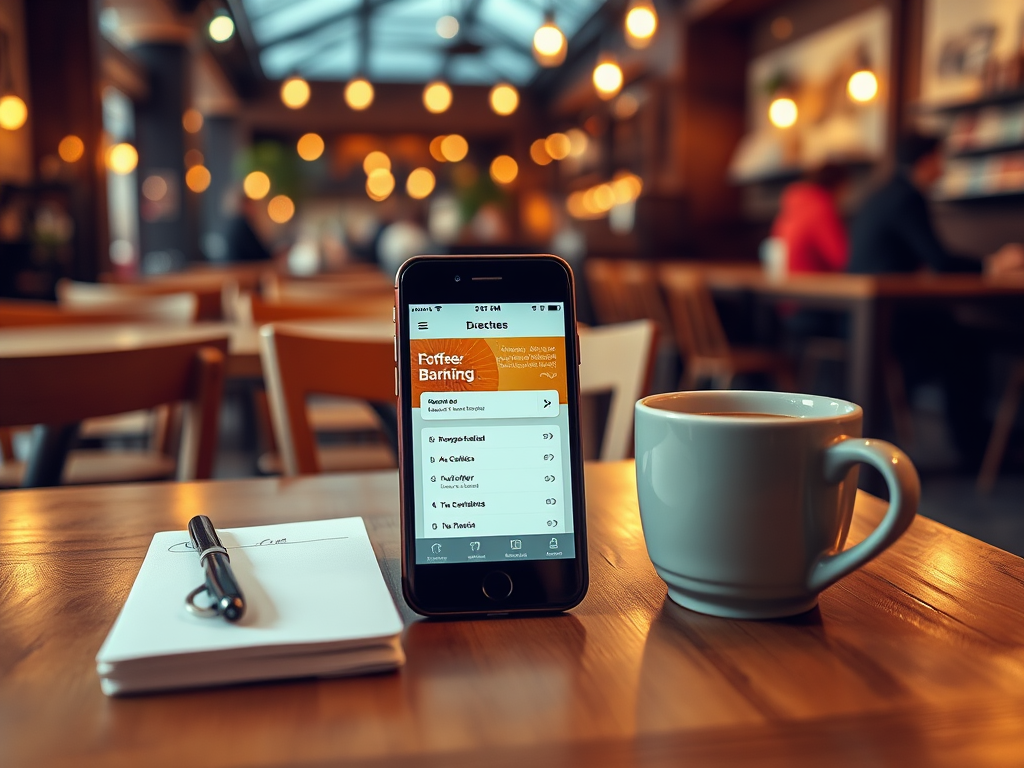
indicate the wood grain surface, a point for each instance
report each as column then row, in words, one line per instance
column 918, row 659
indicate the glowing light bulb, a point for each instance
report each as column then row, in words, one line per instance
column 641, row 24
column 420, row 183
column 435, row 149
column 504, row 169
column 454, row 148
column 359, row 94
column 557, row 146
column 13, row 112
column 379, row 184
column 549, row 44
column 607, row 78
column 256, row 185
column 782, row 112
column 310, row 147
column 221, row 28
column 437, row 97
column 197, row 178
column 539, row 153
column 376, row 160
column 504, row 99
column 862, row 86
column 280, row 209
column 295, row 93
column 122, row 158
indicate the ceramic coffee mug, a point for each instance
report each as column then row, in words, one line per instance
column 746, row 497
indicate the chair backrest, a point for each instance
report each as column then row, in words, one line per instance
column 619, row 359
column 326, row 288
column 623, row 290
column 175, row 308
column 378, row 307
column 208, row 295
column 348, row 359
column 49, row 380
column 695, row 319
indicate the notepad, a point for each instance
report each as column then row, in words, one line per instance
column 316, row 606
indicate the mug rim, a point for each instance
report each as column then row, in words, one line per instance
column 856, row 412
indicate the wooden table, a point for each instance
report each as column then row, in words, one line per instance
column 918, row 659
column 868, row 300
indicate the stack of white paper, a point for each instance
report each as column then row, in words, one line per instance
column 316, row 606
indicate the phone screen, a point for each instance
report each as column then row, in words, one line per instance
column 490, row 432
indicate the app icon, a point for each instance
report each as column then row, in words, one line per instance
column 475, row 546
column 435, row 548
column 553, row 544
column 516, row 544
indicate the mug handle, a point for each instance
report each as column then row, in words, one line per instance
column 904, row 494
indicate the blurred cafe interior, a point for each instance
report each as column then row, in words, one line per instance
column 777, row 187
column 203, row 208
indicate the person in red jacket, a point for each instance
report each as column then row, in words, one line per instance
column 809, row 222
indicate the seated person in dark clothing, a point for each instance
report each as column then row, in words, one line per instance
column 893, row 233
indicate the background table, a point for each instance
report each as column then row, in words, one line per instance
column 916, row 659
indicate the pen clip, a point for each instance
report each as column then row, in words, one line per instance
column 205, row 612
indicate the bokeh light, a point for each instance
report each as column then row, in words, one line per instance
column 379, row 184
column 504, row 99
column 122, row 158
column 280, row 209
column 359, row 94
column 192, row 120
column 539, row 153
column 420, row 183
column 557, row 145
column 862, row 86
column 549, row 45
column 295, row 93
column 375, row 160
column 13, row 112
column 310, row 146
column 71, row 149
column 454, row 148
column 256, row 185
column 607, row 78
column 437, row 97
column 578, row 142
column 504, row 169
column 197, row 178
column 782, row 112
column 447, row 27
column 154, row 188
column 435, row 149
column 221, row 28
column 641, row 24
column 194, row 157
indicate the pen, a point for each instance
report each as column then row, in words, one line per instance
column 220, row 582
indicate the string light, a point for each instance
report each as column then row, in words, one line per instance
column 13, row 112
column 549, row 44
column 256, row 185
column 280, row 209
column 578, row 142
column 197, row 178
column 607, row 77
column 71, row 149
column 122, row 158
column 437, row 97
column 557, row 146
column 359, row 94
column 641, row 23
column 295, row 93
column 862, row 86
column 375, row 160
column 221, row 28
column 539, row 153
column 435, row 149
column 192, row 120
column 782, row 112
column 379, row 184
column 454, row 148
column 310, row 147
column 504, row 99
column 504, row 169
column 420, row 183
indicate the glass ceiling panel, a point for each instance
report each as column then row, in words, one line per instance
column 322, row 39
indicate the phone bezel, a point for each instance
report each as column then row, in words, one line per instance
column 454, row 589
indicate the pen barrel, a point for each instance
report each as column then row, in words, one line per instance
column 203, row 534
column 221, row 584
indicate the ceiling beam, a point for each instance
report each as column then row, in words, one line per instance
column 321, row 23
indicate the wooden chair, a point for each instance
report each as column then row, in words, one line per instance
column 209, row 294
column 705, row 349
column 618, row 359
column 326, row 288
column 262, row 311
column 1005, row 418
column 64, row 388
column 623, row 290
column 300, row 360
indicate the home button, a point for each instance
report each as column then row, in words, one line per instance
column 497, row 585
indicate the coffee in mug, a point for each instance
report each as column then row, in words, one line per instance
column 746, row 498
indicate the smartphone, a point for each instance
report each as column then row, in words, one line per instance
column 487, row 355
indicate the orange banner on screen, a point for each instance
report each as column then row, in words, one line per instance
column 488, row 365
